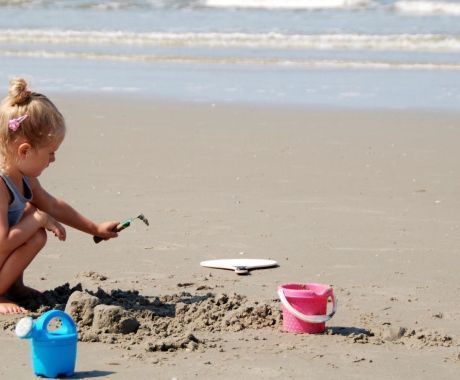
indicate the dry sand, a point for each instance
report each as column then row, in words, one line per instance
column 366, row 201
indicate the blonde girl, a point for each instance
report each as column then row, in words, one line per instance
column 31, row 131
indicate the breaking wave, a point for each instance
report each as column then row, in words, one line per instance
column 396, row 42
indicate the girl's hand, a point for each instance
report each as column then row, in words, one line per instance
column 51, row 224
column 107, row 230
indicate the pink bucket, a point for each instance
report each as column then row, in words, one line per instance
column 304, row 307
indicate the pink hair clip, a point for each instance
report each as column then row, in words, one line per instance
column 14, row 124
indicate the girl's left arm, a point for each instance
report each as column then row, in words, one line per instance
column 66, row 214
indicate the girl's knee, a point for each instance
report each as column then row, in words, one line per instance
column 39, row 239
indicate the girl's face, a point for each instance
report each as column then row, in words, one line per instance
column 33, row 161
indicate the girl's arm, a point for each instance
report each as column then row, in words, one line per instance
column 64, row 213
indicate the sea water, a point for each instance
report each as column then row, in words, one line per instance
column 345, row 53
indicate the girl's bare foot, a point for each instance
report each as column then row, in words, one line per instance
column 8, row 307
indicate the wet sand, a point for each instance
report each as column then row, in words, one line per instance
column 366, row 201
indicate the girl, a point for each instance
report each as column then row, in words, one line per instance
column 31, row 131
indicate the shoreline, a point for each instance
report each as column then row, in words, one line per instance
column 321, row 87
column 150, row 100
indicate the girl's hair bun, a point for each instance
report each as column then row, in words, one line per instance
column 19, row 92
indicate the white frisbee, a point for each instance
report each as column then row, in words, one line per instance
column 240, row 266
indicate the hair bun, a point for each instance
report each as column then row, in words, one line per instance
column 19, row 92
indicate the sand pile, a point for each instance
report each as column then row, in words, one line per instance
column 165, row 323
column 187, row 321
column 387, row 333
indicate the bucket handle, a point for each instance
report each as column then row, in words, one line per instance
column 67, row 327
column 308, row 318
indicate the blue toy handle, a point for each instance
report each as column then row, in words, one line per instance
column 67, row 324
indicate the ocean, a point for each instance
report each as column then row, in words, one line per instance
column 333, row 53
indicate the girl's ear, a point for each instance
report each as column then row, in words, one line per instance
column 23, row 150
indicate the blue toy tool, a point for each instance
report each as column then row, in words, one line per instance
column 54, row 352
column 125, row 224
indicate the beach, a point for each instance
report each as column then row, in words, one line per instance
column 319, row 134
column 363, row 200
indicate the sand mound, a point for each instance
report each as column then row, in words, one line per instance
column 387, row 333
column 164, row 323
column 187, row 321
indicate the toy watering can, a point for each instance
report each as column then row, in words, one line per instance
column 54, row 352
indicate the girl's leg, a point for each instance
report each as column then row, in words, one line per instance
column 19, row 291
column 14, row 266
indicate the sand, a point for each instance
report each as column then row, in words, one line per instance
column 366, row 201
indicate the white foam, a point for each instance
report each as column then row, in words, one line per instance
column 370, row 42
column 209, row 60
column 428, row 7
column 289, row 4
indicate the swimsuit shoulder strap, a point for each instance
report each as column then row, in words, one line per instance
column 14, row 190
